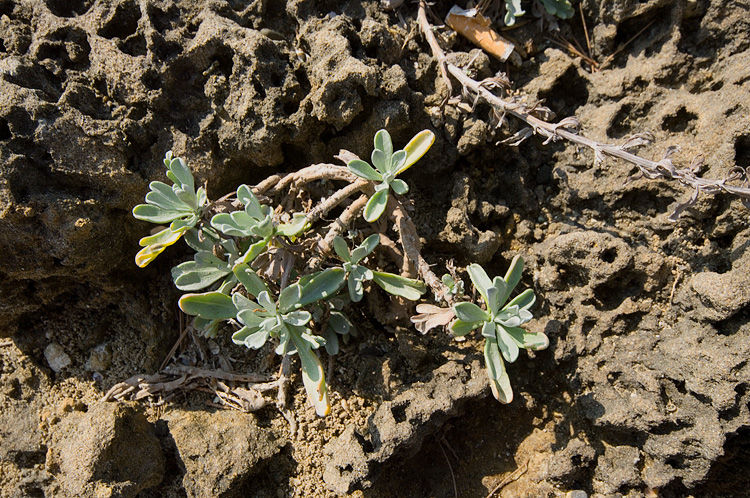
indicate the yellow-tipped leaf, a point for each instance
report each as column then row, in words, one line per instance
column 416, row 148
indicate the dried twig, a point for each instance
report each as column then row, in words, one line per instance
column 410, row 242
column 651, row 169
column 450, row 467
column 568, row 127
column 337, row 198
column 186, row 378
column 622, row 47
column 183, row 332
column 509, row 478
column 429, row 34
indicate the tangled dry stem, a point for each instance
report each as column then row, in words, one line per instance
column 408, row 235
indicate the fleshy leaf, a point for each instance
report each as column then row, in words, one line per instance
column 399, row 286
column 528, row 340
column 341, row 248
column 254, row 251
column 513, row 10
column 524, row 300
column 298, row 224
column 156, row 214
column 397, row 162
column 480, row 279
column 364, row 170
column 489, row 330
column 499, row 380
column 559, row 8
column 470, row 312
column 332, row 341
column 380, row 161
column 249, row 279
column 289, row 298
column 399, row 186
column 376, row 205
column 513, row 276
column 461, row 328
column 182, row 174
column 321, row 285
column 365, row 248
column 356, row 278
column 193, row 239
column 210, row 305
column 493, row 296
column 313, row 376
column 193, row 276
column 297, row 318
column 383, row 142
column 340, row 323
column 250, row 337
column 507, row 345
column 416, row 148
column 242, row 303
column 153, row 245
column 252, row 204
column 264, row 299
column 163, row 196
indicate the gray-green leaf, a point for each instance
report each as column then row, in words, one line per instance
column 376, row 206
column 399, row 286
column 322, row 285
column 364, row 170
column 210, row 305
column 470, row 312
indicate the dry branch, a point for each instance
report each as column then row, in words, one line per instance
column 567, row 129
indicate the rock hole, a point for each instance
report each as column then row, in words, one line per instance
column 303, row 81
column 588, row 326
column 399, row 412
column 151, row 79
column 2, row 46
column 735, row 323
column 123, row 23
column 165, row 49
column 677, row 462
column 6, row 8
column 5, row 133
column 259, row 90
column 224, row 60
column 289, row 107
column 67, row 46
column 742, row 151
column 648, row 41
column 567, row 94
column 32, row 491
column 626, row 118
column 29, row 459
column 679, row 121
column 609, row 256
column 728, row 473
column 68, row 8
column 135, row 45
column 366, row 444
column 162, row 20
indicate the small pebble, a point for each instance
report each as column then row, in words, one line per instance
column 56, row 357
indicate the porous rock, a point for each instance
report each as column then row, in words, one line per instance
column 111, row 450
column 220, row 451
column 399, row 426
